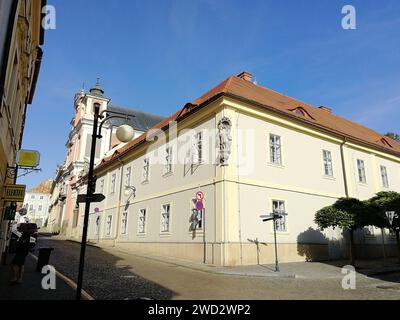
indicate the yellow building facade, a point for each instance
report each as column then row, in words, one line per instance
column 251, row 151
column 20, row 38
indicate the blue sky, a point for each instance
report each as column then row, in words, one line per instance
column 158, row 55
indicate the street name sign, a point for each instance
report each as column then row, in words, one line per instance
column 14, row 192
column 96, row 197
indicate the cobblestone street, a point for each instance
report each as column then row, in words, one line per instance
column 112, row 274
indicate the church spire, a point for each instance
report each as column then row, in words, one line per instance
column 97, row 90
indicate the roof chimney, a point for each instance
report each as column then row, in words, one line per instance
column 246, row 76
column 326, row 109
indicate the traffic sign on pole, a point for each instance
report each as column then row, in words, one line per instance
column 199, row 205
column 199, row 195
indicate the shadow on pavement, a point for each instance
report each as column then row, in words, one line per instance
column 104, row 277
column 383, row 269
column 31, row 288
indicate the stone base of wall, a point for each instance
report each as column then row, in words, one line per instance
column 232, row 254
column 370, row 251
column 186, row 251
column 264, row 253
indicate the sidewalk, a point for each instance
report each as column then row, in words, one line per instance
column 31, row 288
column 305, row 270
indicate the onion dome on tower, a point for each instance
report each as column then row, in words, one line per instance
column 97, row 90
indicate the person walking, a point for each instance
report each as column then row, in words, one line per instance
column 22, row 250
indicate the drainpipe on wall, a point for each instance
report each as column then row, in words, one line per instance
column 119, row 199
column 346, row 188
column 238, row 188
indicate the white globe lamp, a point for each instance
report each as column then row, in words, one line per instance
column 125, row 133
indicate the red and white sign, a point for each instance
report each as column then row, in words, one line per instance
column 199, row 195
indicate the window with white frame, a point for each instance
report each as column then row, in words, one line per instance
column 112, row 183
column 197, row 155
column 31, row 207
column 101, row 186
column 97, row 230
column 108, row 225
column 327, row 158
column 165, row 218
column 369, row 231
column 278, row 206
column 146, row 169
column 128, row 176
column 168, row 160
column 196, row 215
column 124, row 222
column 40, row 207
column 275, row 149
column 385, row 180
column 142, row 221
column 361, row 171
column 41, row 197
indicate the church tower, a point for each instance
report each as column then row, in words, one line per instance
column 78, row 147
column 79, row 144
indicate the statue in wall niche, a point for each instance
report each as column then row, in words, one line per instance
column 224, row 141
column 85, row 169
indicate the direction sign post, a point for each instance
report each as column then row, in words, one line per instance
column 95, row 197
column 274, row 216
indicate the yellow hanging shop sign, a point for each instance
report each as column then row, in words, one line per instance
column 28, row 158
column 14, row 192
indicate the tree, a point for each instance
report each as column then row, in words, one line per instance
column 386, row 201
column 347, row 213
column 394, row 136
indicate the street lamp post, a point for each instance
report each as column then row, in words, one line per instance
column 124, row 133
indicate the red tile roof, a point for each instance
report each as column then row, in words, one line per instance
column 276, row 102
column 43, row 187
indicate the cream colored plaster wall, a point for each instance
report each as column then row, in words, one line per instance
column 302, row 159
column 177, row 188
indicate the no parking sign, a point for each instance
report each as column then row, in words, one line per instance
column 199, row 202
column 199, row 195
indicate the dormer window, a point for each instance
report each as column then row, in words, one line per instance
column 302, row 112
column 385, row 142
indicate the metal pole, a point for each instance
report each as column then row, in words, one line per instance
column 204, row 234
column 89, row 192
column 383, row 244
column 276, row 248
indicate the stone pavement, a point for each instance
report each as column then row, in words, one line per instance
column 306, row 270
column 113, row 274
column 31, row 288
